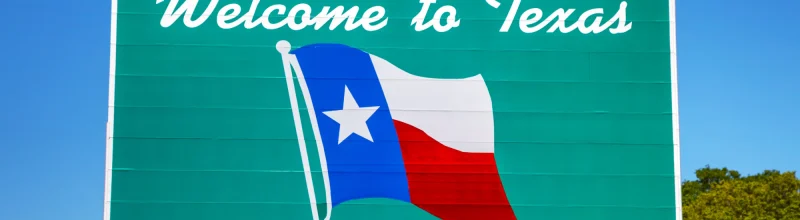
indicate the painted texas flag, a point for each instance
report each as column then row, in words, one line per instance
column 384, row 133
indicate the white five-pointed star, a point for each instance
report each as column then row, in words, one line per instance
column 352, row 119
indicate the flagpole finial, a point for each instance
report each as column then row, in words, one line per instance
column 283, row 47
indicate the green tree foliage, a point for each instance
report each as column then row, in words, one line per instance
column 720, row 193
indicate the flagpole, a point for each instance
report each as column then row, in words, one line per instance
column 293, row 64
column 283, row 47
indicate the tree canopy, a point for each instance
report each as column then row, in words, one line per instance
column 721, row 193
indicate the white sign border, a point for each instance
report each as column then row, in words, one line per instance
column 675, row 119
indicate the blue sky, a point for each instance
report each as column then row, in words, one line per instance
column 737, row 88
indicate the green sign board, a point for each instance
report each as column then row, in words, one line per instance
column 393, row 109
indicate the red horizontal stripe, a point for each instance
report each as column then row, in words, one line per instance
column 451, row 184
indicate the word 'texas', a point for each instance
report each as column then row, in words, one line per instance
column 529, row 18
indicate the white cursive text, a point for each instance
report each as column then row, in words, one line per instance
column 528, row 18
column 229, row 16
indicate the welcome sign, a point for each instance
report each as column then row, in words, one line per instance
column 429, row 109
